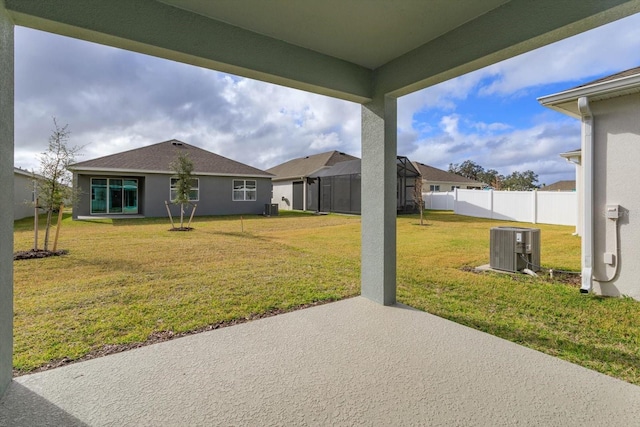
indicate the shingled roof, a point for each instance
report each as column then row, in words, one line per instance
column 560, row 186
column 431, row 174
column 616, row 76
column 305, row 166
column 157, row 158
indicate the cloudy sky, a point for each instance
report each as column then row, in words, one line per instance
column 114, row 100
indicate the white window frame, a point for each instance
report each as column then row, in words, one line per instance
column 244, row 190
column 434, row 188
column 172, row 188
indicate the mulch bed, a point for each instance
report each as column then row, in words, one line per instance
column 37, row 253
column 181, row 229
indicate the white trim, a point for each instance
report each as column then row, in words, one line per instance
column 233, row 190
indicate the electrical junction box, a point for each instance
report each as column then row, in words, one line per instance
column 613, row 211
column 514, row 248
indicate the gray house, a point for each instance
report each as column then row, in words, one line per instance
column 434, row 179
column 338, row 188
column 139, row 181
column 23, row 191
column 290, row 181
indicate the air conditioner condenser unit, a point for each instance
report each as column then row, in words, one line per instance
column 514, row 248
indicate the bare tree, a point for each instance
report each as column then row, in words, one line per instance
column 55, row 186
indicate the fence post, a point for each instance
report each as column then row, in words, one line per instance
column 534, row 212
column 491, row 202
column 455, row 200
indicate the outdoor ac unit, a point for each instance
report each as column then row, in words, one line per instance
column 514, row 248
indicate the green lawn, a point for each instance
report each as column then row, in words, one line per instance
column 126, row 281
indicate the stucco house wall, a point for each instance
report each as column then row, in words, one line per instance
column 616, row 160
column 22, row 194
column 215, row 195
column 283, row 194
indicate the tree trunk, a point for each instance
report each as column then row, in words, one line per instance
column 181, row 215
column 46, row 230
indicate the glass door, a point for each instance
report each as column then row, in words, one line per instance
column 114, row 196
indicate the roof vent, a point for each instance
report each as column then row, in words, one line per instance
column 177, row 143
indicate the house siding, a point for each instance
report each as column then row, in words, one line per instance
column 616, row 159
column 215, row 195
column 283, row 194
column 22, row 196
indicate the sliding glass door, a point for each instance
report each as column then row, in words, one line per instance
column 114, row 196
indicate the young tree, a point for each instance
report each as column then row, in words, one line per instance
column 55, row 186
column 182, row 167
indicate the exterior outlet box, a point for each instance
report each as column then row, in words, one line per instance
column 514, row 249
column 613, row 211
column 609, row 258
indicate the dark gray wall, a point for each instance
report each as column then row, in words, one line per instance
column 216, row 195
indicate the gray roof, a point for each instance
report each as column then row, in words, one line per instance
column 560, row 186
column 349, row 167
column 158, row 158
column 626, row 82
column 305, row 166
column 621, row 74
column 429, row 173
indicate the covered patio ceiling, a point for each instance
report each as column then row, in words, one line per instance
column 352, row 49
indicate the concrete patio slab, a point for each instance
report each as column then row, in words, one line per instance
column 352, row 362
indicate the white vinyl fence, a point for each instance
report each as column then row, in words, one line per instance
column 545, row 207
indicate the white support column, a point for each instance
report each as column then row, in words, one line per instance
column 379, row 200
column 6, row 209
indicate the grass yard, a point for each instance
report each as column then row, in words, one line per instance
column 128, row 281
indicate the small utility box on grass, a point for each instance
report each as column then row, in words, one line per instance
column 271, row 209
column 514, row 248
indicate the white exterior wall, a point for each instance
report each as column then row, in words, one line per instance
column 283, row 189
column 22, row 196
column 616, row 159
column 444, row 186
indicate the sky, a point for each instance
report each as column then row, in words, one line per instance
column 114, row 100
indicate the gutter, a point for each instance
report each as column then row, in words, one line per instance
column 587, row 161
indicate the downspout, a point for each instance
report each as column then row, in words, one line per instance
column 587, row 170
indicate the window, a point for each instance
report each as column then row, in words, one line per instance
column 114, row 196
column 434, row 188
column 244, row 190
column 194, row 193
column 453, row 187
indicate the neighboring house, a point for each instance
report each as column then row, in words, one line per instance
column 434, row 179
column 23, row 193
column 338, row 188
column 290, row 185
column 139, row 181
column 608, row 165
column 559, row 186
